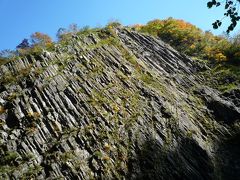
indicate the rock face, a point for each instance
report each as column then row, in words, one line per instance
column 115, row 104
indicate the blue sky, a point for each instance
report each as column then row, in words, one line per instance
column 21, row 18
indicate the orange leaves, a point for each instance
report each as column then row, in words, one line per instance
column 188, row 38
column 40, row 39
column 176, row 31
column 2, row 109
column 39, row 42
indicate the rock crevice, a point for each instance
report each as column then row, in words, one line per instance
column 113, row 104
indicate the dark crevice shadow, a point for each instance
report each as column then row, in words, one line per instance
column 12, row 120
column 228, row 159
column 187, row 161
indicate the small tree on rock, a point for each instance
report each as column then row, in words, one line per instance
column 41, row 39
column 24, row 44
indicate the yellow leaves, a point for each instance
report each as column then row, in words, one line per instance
column 188, row 38
column 208, row 50
column 115, row 107
column 137, row 27
column 49, row 45
column 100, row 155
column 181, row 25
column 113, row 24
column 177, row 33
column 36, row 49
column 192, row 46
column 106, row 147
column 156, row 22
column 39, row 41
column 34, row 115
column 105, row 158
column 103, row 155
column 2, row 110
column 220, row 57
column 30, row 130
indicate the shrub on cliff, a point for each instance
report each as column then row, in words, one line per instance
column 178, row 33
column 39, row 42
column 233, row 50
column 7, row 55
column 40, row 39
column 190, row 40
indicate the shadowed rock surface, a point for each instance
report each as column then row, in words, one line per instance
column 115, row 104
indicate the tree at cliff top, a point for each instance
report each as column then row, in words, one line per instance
column 39, row 41
column 187, row 38
column 42, row 39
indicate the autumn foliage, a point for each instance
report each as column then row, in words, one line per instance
column 39, row 41
column 176, row 32
column 192, row 41
column 183, row 36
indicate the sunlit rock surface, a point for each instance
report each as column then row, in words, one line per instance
column 115, row 104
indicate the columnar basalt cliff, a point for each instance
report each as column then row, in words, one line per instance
column 115, row 104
